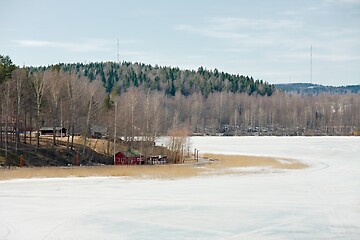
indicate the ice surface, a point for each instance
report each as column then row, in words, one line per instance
column 320, row 202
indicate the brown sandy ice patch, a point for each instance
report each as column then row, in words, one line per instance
column 219, row 164
column 232, row 161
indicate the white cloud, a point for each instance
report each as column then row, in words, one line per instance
column 326, row 57
column 279, row 38
column 211, row 31
column 86, row 46
column 232, row 23
column 300, row 11
column 247, row 33
column 240, row 28
column 344, row 1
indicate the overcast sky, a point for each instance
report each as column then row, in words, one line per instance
column 268, row 40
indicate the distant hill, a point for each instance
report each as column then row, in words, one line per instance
column 314, row 89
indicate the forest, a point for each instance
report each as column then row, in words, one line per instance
column 169, row 80
column 131, row 100
column 315, row 89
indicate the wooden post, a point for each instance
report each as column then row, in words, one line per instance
column 115, row 132
column 20, row 164
column 77, row 159
column 197, row 155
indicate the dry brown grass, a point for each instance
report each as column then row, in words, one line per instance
column 159, row 171
column 224, row 163
column 98, row 145
column 231, row 161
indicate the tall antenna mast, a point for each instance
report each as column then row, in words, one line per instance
column 118, row 56
column 311, row 64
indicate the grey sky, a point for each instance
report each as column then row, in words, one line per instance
column 268, row 40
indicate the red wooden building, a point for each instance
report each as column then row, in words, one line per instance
column 129, row 158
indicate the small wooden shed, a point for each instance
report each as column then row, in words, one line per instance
column 49, row 131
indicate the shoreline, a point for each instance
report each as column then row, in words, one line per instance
column 217, row 164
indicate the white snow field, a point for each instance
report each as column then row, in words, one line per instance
column 320, row 202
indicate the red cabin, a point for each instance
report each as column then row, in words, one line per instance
column 128, row 158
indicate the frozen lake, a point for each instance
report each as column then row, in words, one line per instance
column 320, row 202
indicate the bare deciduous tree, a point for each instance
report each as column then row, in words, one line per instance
column 38, row 86
column 18, row 77
column 54, row 85
column 92, row 88
column 178, row 144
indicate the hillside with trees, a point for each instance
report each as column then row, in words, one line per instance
column 168, row 80
column 314, row 89
column 132, row 100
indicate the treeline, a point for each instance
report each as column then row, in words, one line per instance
column 59, row 96
column 314, row 89
column 168, row 80
column 280, row 114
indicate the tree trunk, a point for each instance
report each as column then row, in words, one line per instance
column 68, row 136
column 87, row 126
column 38, row 104
column 31, row 127
column 108, row 134
column 115, row 129
column 54, row 130
column 72, row 136
column 108, row 142
column 7, row 95
column 38, row 127
column 1, row 122
column 25, row 128
column 72, row 128
column 17, row 134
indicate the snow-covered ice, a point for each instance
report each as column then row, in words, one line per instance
column 320, row 202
